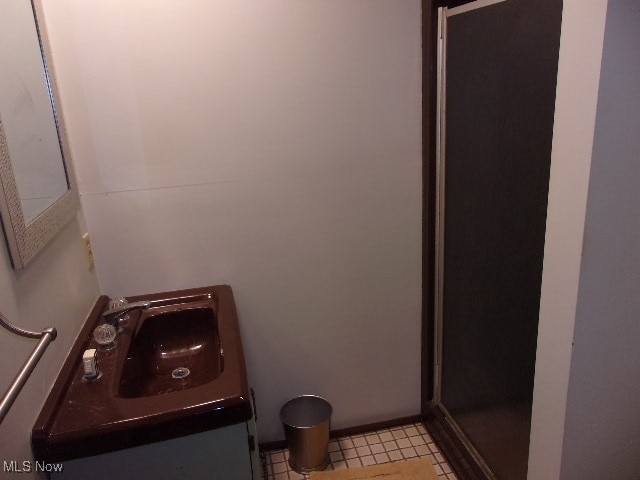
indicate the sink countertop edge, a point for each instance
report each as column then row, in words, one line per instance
column 65, row 375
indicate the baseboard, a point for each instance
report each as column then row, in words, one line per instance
column 342, row 432
column 370, row 427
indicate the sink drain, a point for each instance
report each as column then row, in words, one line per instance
column 180, row 372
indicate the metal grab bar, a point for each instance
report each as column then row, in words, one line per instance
column 47, row 336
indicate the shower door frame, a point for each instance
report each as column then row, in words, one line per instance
column 436, row 407
column 434, row 413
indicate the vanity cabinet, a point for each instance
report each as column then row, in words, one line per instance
column 227, row 453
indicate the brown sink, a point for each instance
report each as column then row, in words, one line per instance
column 178, row 369
column 173, row 349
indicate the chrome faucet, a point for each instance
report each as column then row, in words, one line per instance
column 115, row 315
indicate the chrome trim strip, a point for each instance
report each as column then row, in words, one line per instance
column 440, row 168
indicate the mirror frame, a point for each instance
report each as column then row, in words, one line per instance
column 24, row 240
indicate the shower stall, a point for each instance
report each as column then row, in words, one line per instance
column 496, row 77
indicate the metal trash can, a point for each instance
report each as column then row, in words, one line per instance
column 306, row 420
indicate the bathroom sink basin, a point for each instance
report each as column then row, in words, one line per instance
column 167, row 377
column 172, row 350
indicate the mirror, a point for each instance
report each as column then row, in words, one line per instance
column 38, row 195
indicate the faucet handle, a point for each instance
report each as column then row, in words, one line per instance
column 117, row 302
column 114, row 304
column 105, row 336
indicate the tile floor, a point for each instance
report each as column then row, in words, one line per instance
column 381, row 446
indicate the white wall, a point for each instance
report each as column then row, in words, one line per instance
column 602, row 427
column 57, row 289
column 574, row 122
column 585, row 415
column 274, row 146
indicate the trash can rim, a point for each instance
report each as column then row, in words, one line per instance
column 306, row 396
